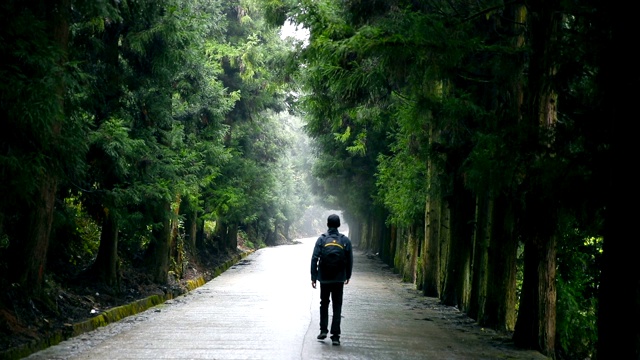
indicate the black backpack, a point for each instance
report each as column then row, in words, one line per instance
column 333, row 256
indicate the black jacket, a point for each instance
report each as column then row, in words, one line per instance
column 345, row 274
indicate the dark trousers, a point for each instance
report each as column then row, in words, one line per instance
column 333, row 291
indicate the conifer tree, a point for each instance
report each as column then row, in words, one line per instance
column 39, row 142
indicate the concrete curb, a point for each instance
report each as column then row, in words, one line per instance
column 113, row 315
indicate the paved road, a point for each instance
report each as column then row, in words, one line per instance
column 265, row 308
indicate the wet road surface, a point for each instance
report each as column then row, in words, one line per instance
column 265, row 308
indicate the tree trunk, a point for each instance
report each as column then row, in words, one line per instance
column 37, row 239
column 36, row 245
column 222, row 232
column 159, row 249
column 384, row 234
column 176, row 242
column 536, row 322
column 444, row 235
column 500, row 307
column 416, row 237
column 536, row 325
column 232, row 237
column 456, row 289
column 437, row 224
column 432, row 250
column 374, row 232
column 191, row 229
column 105, row 267
column 200, row 235
column 480, row 257
column 407, row 252
column 366, row 238
column 376, row 235
column 190, row 223
column 273, row 236
column 228, row 234
column 390, row 239
column 286, row 229
column 401, row 261
column 495, row 254
column 355, row 231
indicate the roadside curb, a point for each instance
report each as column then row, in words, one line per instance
column 114, row 314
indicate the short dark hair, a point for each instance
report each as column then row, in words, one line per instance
column 333, row 221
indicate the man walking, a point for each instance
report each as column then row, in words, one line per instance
column 331, row 265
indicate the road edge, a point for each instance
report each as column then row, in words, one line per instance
column 114, row 314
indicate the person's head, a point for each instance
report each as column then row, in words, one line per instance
column 333, row 221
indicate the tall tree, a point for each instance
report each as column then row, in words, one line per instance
column 157, row 134
column 35, row 84
column 249, row 59
column 536, row 325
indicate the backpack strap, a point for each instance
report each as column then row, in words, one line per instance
column 339, row 242
column 324, row 238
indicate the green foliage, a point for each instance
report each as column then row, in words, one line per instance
column 209, row 227
column 578, row 281
column 577, row 316
column 275, row 11
column 75, row 240
column 400, row 184
column 150, row 103
column 442, row 84
column 31, row 107
column 155, row 101
column 42, row 137
column 159, row 136
column 251, row 188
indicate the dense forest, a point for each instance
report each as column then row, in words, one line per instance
column 138, row 135
column 477, row 147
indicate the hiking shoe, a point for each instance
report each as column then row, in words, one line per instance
column 335, row 341
column 323, row 335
